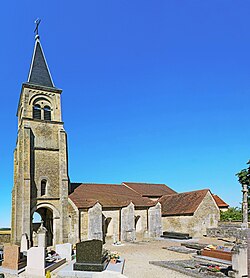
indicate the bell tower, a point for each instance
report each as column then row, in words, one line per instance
column 40, row 158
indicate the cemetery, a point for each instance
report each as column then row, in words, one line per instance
column 105, row 230
column 217, row 255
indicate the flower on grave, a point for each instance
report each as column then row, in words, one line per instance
column 214, row 268
column 113, row 255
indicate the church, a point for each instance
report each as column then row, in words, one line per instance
column 72, row 212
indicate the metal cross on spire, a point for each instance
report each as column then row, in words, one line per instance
column 37, row 22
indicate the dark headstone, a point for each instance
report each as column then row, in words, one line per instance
column 90, row 256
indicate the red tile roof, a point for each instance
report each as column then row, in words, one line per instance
column 85, row 195
column 220, row 203
column 150, row 189
column 183, row 203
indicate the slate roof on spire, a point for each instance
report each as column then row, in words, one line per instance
column 39, row 73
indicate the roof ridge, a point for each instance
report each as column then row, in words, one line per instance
column 93, row 183
column 144, row 183
column 182, row 193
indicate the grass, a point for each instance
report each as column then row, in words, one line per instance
column 5, row 232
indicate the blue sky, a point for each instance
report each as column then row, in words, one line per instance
column 154, row 91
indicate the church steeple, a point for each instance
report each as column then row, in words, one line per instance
column 41, row 162
column 39, row 73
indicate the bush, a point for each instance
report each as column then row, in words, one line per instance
column 231, row 214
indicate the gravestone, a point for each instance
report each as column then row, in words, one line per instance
column 24, row 243
column 12, row 258
column 36, row 261
column 64, row 251
column 90, row 256
column 239, row 260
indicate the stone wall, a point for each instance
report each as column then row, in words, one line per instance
column 181, row 224
column 4, row 238
column 227, row 230
column 207, row 215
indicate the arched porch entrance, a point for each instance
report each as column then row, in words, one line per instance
column 49, row 216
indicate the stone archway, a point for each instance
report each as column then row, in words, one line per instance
column 47, row 220
column 49, row 216
column 106, row 227
column 138, row 224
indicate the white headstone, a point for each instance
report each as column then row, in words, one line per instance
column 41, row 236
column 64, row 251
column 36, row 261
column 24, row 243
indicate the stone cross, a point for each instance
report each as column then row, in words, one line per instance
column 244, row 207
column 41, row 236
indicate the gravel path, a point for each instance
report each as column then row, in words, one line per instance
column 138, row 255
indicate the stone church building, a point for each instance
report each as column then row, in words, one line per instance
column 72, row 212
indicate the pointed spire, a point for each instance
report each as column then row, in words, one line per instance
column 39, row 73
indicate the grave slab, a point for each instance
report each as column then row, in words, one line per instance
column 190, row 268
column 68, row 271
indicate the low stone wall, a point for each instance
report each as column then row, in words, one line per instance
column 228, row 230
column 4, row 238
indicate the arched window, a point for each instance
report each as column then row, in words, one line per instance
column 37, row 111
column 47, row 113
column 43, row 187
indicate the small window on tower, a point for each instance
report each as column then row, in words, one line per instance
column 37, row 111
column 47, row 113
column 43, row 187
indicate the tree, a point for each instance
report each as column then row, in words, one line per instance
column 232, row 214
column 244, row 178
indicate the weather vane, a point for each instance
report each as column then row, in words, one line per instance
column 37, row 22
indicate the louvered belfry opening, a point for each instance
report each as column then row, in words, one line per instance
column 47, row 113
column 37, row 111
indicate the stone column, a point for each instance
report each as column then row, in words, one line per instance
column 244, row 207
column 248, row 251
